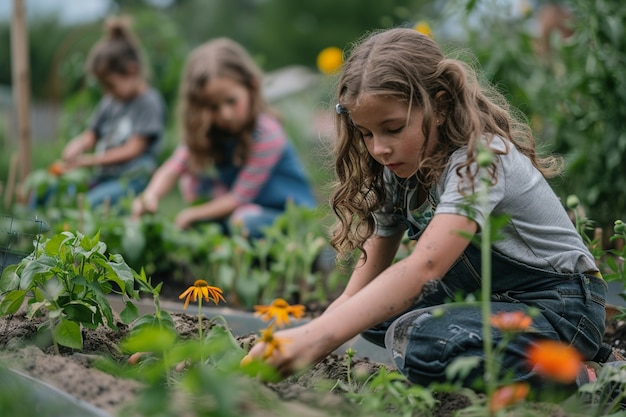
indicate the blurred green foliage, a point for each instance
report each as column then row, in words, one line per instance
column 277, row 33
column 574, row 97
column 589, row 126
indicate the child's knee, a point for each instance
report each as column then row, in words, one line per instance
column 425, row 342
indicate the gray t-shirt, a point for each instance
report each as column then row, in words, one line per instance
column 116, row 121
column 538, row 233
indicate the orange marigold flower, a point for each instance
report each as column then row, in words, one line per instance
column 330, row 60
column 555, row 360
column 280, row 310
column 513, row 321
column 423, row 28
column 272, row 343
column 56, row 168
column 201, row 288
column 508, row 395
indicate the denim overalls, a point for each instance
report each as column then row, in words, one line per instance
column 427, row 338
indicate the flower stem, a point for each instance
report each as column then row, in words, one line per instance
column 200, row 318
column 490, row 377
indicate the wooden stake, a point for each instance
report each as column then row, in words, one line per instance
column 21, row 83
column 11, row 179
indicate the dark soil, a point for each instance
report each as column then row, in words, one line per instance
column 72, row 371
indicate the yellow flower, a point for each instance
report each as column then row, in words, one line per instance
column 423, row 28
column 514, row 321
column 508, row 395
column 329, row 60
column 201, row 288
column 279, row 310
column 555, row 360
column 272, row 343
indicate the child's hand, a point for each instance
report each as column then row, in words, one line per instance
column 298, row 350
column 184, row 219
column 145, row 203
column 72, row 151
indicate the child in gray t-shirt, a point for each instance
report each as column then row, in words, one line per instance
column 125, row 132
column 422, row 144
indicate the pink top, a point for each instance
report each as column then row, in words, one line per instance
column 269, row 141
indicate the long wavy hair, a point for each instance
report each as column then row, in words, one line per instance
column 409, row 66
column 218, row 58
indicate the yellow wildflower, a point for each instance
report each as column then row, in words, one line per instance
column 280, row 310
column 555, row 360
column 272, row 343
column 201, row 288
column 423, row 28
column 329, row 60
column 514, row 321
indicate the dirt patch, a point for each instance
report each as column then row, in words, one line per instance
column 22, row 348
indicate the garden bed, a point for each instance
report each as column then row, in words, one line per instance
column 72, row 373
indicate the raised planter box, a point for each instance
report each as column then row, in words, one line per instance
column 25, row 396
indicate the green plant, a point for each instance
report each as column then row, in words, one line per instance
column 297, row 240
column 161, row 319
column 605, row 394
column 614, row 258
column 67, row 278
column 56, row 190
column 389, row 392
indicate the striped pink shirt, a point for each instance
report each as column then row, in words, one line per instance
column 269, row 140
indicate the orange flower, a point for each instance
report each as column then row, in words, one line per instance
column 280, row 311
column 272, row 343
column 555, row 360
column 508, row 395
column 201, row 288
column 329, row 60
column 56, row 168
column 514, row 321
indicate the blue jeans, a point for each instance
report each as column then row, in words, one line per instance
column 428, row 337
column 114, row 189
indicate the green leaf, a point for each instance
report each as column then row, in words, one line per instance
column 461, row 367
column 67, row 333
column 147, row 320
column 133, row 240
column 123, row 272
column 34, row 268
column 160, row 319
column 150, row 339
column 33, row 309
column 12, row 302
column 106, row 310
column 10, row 280
column 80, row 311
column 129, row 313
column 88, row 244
column 53, row 246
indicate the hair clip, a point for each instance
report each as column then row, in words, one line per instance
column 340, row 109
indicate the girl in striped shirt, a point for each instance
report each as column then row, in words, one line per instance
column 235, row 165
